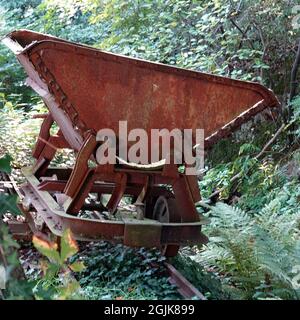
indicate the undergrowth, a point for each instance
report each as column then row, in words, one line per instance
column 122, row 273
column 255, row 255
column 254, row 243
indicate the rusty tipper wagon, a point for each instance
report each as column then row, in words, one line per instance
column 85, row 90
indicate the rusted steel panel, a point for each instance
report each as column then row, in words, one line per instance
column 137, row 233
column 103, row 88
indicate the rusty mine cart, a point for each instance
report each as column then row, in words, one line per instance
column 85, row 90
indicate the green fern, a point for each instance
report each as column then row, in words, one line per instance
column 256, row 254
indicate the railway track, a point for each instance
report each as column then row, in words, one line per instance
column 23, row 227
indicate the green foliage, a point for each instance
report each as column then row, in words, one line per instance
column 233, row 38
column 295, row 105
column 5, row 164
column 15, row 14
column 8, row 203
column 11, row 281
column 18, row 133
column 254, row 245
column 57, row 281
column 217, row 177
column 256, row 255
column 15, row 286
column 119, row 272
column 258, row 179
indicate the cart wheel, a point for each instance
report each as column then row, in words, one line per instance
column 165, row 211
